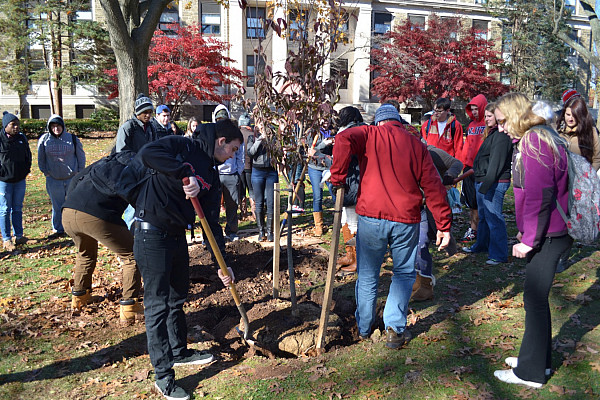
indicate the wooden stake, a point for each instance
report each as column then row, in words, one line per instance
column 333, row 254
column 276, row 240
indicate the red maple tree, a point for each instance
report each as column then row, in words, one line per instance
column 186, row 66
column 444, row 60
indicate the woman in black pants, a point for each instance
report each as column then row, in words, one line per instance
column 540, row 181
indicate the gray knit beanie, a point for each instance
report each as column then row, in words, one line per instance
column 143, row 103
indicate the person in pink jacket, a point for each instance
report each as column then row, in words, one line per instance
column 540, row 181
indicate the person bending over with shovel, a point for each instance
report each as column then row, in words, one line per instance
column 163, row 212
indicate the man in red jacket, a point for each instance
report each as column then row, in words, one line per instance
column 474, row 110
column 394, row 167
column 442, row 130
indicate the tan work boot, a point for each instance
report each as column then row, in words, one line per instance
column 131, row 311
column 423, row 288
column 80, row 299
column 9, row 245
column 318, row 229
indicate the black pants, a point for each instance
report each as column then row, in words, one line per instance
column 536, row 348
column 164, row 263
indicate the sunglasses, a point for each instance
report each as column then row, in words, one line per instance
column 501, row 121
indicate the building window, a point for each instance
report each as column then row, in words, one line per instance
column 255, row 65
column 84, row 111
column 168, row 20
column 480, row 27
column 574, row 35
column 210, row 18
column 40, row 112
column 340, row 68
column 255, row 18
column 297, row 25
column 417, row 21
column 382, row 23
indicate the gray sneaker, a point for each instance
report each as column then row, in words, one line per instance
column 193, row 357
column 169, row 389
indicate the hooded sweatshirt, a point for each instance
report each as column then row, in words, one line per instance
column 60, row 157
column 474, row 130
column 15, row 157
column 217, row 110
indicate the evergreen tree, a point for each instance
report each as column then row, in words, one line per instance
column 538, row 58
column 14, row 60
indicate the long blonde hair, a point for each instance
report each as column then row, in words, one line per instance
column 491, row 107
column 520, row 118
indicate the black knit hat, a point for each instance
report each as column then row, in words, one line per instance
column 7, row 118
column 143, row 103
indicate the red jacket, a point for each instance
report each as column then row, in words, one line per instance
column 451, row 144
column 474, row 130
column 394, row 167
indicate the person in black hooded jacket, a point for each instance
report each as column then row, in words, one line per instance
column 163, row 212
column 15, row 165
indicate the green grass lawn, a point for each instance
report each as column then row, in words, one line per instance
column 461, row 337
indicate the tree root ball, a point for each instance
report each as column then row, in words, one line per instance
column 287, row 335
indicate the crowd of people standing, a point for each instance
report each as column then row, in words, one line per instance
column 397, row 180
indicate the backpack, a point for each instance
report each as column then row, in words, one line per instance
column 583, row 217
column 452, row 128
column 120, row 174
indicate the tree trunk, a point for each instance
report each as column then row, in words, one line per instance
column 130, row 41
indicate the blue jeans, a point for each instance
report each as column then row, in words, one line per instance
column 491, row 230
column 163, row 261
column 263, row 188
column 315, row 177
column 12, row 196
column 57, row 190
column 372, row 241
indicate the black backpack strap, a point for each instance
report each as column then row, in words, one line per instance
column 428, row 126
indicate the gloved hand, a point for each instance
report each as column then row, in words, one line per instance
column 226, row 279
column 192, row 189
column 447, row 180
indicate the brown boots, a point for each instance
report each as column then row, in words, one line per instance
column 347, row 263
column 423, row 288
column 319, row 229
column 131, row 311
column 80, row 299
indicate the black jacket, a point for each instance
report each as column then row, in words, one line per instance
column 15, row 157
column 160, row 131
column 493, row 160
column 161, row 201
column 82, row 195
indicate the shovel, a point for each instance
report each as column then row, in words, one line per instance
column 217, row 252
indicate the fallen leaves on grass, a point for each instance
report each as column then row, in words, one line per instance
column 561, row 390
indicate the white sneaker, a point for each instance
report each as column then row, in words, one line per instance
column 514, row 361
column 508, row 376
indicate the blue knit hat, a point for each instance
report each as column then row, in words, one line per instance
column 385, row 112
column 142, row 103
column 7, row 118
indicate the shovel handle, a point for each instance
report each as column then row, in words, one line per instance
column 463, row 176
column 213, row 244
